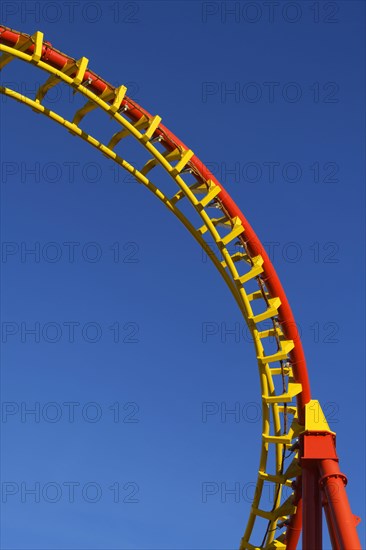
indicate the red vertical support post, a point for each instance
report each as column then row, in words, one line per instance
column 343, row 521
column 294, row 529
column 323, row 483
column 312, row 508
column 331, row 531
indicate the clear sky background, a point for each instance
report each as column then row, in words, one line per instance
column 271, row 97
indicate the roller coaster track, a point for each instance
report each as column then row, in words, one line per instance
column 229, row 241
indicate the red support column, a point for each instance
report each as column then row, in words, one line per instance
column 332, row 534
column 344, row 523
column 323, row 483
column 293, row 531
column 312, row 510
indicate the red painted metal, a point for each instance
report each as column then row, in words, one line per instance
column 332, row 534
column 312, row 512
column 324, row 484
column 294, row 529
column 343, row 521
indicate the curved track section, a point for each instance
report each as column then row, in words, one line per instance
column 236, row 252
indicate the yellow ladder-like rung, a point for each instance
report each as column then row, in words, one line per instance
column 142, row 123
column 286, row 509
column 270, row 332
column 198, row 188
column 80, row 113
column 264, row 514
column 119, row 94
column 271, row 311
column 213, row 191
column 237, row 229
column 294, row 388
column 278, row 544
column 283, row 511
column 82, row 65
column 257, row 295
column 280, row 355
column 289, row 409
column 256, row 270
column 53, row 80
column 168, row 155
column 90, row 105
column 271, row 477
column 153, row 126
column 293, row 470
column 221, row 222
column 236, row 257
column 5, row 58
column 185, row 158
column 287, row 371
column 285, row 439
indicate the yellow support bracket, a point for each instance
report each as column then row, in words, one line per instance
column 270, row 332
column 37, row 39
column 287, row 371
column 168, row 155
column 256, row 270
column 80, row 113
column 257, row 295
column 294, row 388
column 198, row 188
column 90, row 105
column 223, row 222
column 118, row 136
column 264, row 514
column 271, row 311
column 52, row 81
column 5, row 58
column 293, row 470
column 203, row 229
column 289, row 409
column 186, row 157
column 82, row 65
column 278, row 439
column 280, row 355
column 120, row 93
column 213, row 191
column 278, row 545
column 286, row 509
column 272, row 478
column 237, row 229
column 153, row 125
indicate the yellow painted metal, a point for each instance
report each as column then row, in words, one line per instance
column 213, row 191
column 293, row 390
column 119, row 95
column 82, row 65
column 315, row 419
column 256, row 269
column 275, row 407
column 153, row 125
column 186, row 157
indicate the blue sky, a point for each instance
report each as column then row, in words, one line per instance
column 133, row 326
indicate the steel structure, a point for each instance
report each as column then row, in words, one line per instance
column 297, row 446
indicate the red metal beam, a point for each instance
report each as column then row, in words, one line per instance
column 343, row 521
